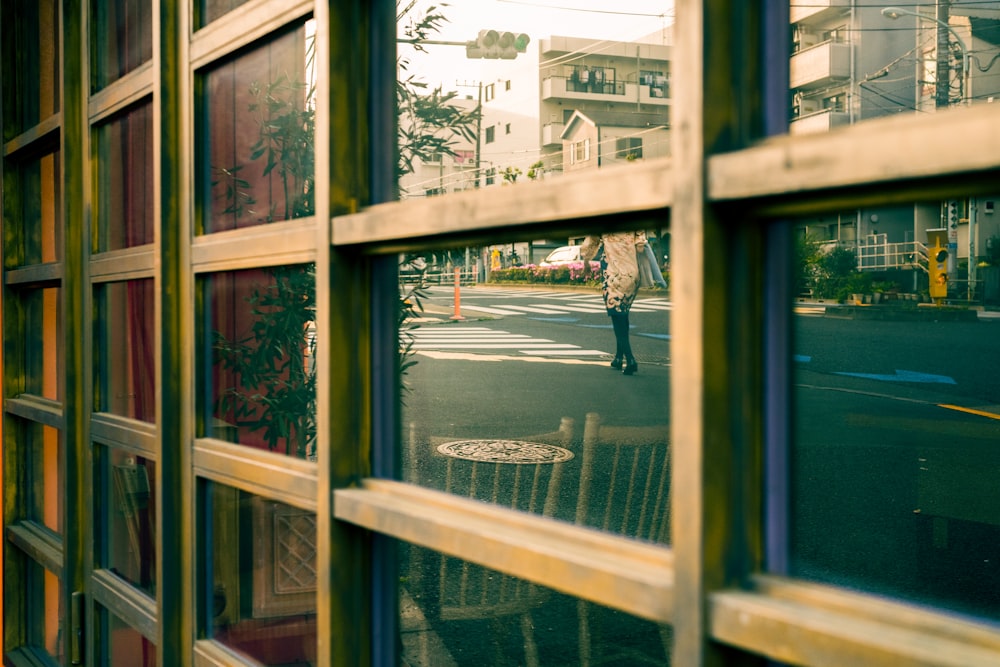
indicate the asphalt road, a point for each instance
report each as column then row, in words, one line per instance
column 892, row 472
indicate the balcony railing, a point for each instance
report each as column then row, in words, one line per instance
column 820, row 65
column 820, row 121
column 804, row 11
column 558, row 87
column 877, row 255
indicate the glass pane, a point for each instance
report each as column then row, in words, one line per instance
column 263, row 576
column 124, row 347
column 43, row 344
column 574, row 423
column 31, row 42
column 851, row 64
column 47, row 620
column 124, row 646
column 209, row 10
column 39, row 199
column 495, row 93
column 895, row 462
column 125, row 179
column 257, row 128
column 453, row 612
column 122, row 34
column 47, row 452
column 127, row 517
column 257, row 358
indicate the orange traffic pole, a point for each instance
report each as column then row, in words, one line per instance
column 458, row 295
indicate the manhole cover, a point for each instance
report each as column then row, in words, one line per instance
column 505, row 451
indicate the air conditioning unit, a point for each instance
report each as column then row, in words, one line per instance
column 807, row 106
column 804, row 39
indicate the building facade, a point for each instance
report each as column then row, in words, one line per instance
column 217, row 452
column 852, row 62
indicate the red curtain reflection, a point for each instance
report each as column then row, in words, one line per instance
column 257, row 135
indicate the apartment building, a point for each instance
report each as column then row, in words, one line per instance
column 855, row 61
column 622, row 85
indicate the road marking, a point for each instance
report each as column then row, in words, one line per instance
column 484, row 338
column 536, row 309
column 491, row 311
column 971, row 411
column 903, row 376
column 903, row 399
column 466, row 356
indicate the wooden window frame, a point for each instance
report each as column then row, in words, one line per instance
column 725, row 191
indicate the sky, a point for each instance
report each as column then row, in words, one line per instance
column 623, row 20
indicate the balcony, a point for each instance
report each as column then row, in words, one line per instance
column 821, row 121
column 816, row 11
column 822, row 65
column 560, row 88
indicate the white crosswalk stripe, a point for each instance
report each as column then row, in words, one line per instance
column 484, row 338
column 490, row 301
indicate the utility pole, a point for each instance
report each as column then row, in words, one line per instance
column 479, row 125
column 943, row 77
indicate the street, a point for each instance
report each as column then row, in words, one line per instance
column 892, row 472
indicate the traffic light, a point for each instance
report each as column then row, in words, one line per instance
column 495, row 44
column 952, row 215
column 937, row 271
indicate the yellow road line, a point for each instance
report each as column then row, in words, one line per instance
column 971, row 411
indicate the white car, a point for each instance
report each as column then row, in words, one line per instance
column 567, row 254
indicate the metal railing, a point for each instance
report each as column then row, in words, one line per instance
column 876, row 254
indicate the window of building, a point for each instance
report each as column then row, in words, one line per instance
column 628, row 148
column 491, row 134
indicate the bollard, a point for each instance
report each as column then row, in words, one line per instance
column 458, row 295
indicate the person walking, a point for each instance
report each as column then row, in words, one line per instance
column 620, row 285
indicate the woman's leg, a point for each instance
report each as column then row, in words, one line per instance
column 620, row 324
column 626, row 361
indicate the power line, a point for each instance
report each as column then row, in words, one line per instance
column 662, row 15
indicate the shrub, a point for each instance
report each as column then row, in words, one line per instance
column 576, row 273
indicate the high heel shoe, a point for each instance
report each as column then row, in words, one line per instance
column 631, row 366
column 617, row 362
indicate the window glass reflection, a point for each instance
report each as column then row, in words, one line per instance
column 258, row 134
column 125, row 180
column 457, row 613
column 494, row 93
column 43, row 344
column 573, row 423
column 125, row 646
column 50, row 632
column 122, row 31
column 854, row 62
column 263, row 582
column 209, row 10
column 39, row 199
column 32, row 90
column 127, row 514
column 894, row 461
column 47, row 454
column 123, row 340
column 258, row 358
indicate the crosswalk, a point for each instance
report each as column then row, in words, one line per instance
column 490, row 301
column 485, row 339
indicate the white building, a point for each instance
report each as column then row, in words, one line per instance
column 839, row 75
